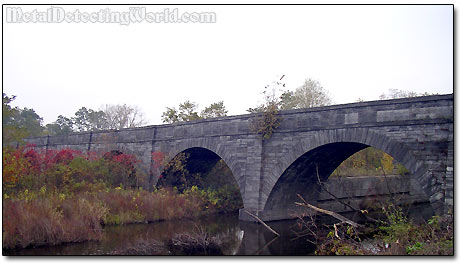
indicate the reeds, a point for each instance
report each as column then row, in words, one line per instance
column 52, row 197
column 45, row 222
column 49, row 219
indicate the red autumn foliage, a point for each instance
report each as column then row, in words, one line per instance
column 158, row 158
column 65, row 156
column 27, row 167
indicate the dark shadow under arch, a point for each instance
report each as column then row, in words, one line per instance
column 302, row 176
column 204, row 169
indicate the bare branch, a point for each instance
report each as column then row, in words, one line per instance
column 338, row 200
column 261, row 221
column 335, row 215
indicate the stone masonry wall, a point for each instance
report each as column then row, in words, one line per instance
column 417, row 132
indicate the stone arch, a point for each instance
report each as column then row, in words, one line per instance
column 214, row 146
column 341, row 144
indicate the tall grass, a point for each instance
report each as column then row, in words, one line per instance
column 63, row 196
column 48, row 221
column 50, row 218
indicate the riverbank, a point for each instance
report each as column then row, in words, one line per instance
column 395, row 234
column 56, row 197
column 234, row 238
column 75, row 215
column 52, row 197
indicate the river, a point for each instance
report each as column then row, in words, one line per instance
column 246, row 238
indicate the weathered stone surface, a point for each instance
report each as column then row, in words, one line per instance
column 417, row 132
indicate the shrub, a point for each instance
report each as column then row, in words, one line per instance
column 28, row 168
column 402, row 236
column 52, row 197
column 266, row 124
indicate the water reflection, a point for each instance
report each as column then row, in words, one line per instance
column 257, row 240
column 240, row 238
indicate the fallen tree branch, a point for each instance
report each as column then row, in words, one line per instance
column 323, row 211
column 331, row 194
column 339, row 201
column 309, row 225
column 261, row 221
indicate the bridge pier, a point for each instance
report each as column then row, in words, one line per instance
column 251, row 193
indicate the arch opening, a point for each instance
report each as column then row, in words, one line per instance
column 343, row 169
column 205, row 170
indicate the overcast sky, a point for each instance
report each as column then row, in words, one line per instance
column 354, row 51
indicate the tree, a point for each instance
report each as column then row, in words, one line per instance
column 85, row 119
column 214, row 110
column 122, row 116
column 89, row 120
column 288, row 100
column 10, row 131
column 62, row 126
column 81, row 119
column 188, row 112
column 19, row 123
column 7, row 111
column 170, row 116
column 310, row 94
column 257, row 109
column 30, row 121
column 97, row 120
column 395, row 94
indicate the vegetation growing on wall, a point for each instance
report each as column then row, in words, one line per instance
column 268, row 121
column 276, row 98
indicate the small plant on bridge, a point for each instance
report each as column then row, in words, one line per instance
column 266, row 124
column 268, row 121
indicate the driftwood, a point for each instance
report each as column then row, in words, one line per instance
column 335, row 215
column 261, row 221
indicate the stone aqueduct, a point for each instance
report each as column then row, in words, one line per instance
column 417, row 132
